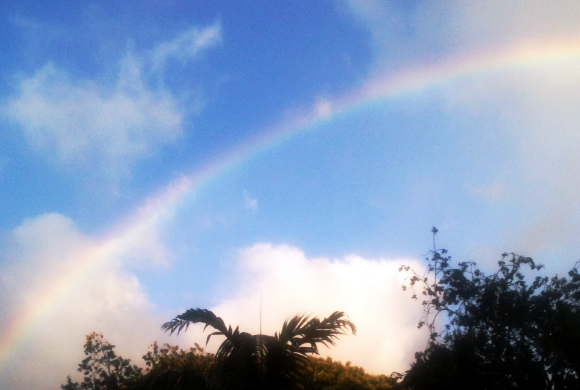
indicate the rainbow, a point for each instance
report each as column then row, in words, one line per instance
column 159, row 207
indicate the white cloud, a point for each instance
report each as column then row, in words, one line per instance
column 323, row 109
column 57, row 285
column 369, row 291
column 99, row 126
column 534, row 116
column 526, row 114
column 55, row 289
column 84, row 123
column 413, row 32
column 185, row 46
column 250, row 203
column 499, row 22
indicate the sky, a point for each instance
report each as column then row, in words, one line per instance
column 157, row 156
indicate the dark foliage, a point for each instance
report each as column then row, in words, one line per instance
column 498, row 331
column 102, row 368
column 169, row 367
column 326, row 374
column 246, row 361
column 243, row 361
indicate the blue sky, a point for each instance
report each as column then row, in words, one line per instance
column 157, row 156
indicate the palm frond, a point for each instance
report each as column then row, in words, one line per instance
column 303, row 333
column 194, row 316
column 269, row 360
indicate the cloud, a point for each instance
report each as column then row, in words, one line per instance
column 323, row 109
column 491, row 192
column 521, row 122
column 100, row 126
column 417, row 32
column 53, row 294
column 497, row 22
column 83, row 123
column 250, row 203
column 533, row 114
column 185, row 46
column 58, row 284
column 42, row 253
column 369, row 291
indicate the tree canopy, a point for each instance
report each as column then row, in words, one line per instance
column 243, row 360
column 496, row 331
column 102, row 368
column 326, row 374
column 247, row 361
column 507, row 329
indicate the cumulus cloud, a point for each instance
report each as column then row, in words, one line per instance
column 57, row 285
column 369, row 291
column 105, row 126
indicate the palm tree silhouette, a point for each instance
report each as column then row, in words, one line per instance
column 247, row 361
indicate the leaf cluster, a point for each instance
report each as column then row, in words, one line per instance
column 326, row 374
column 169, row 367
column 252, row 361
column 102, row 368
column 243, row 360
column 500, row 330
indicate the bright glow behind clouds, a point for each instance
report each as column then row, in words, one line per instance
column 105, row 298
column 42, row 252
column 368, row 291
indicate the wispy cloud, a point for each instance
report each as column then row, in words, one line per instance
column 80, row 122
column 416, row 32
column 186, row 46
column 249, row 202
column 104, row 126
column 529, row 157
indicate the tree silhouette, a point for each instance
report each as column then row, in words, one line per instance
column 498, row 331
column 169, row 367
column 326, row 374
column 247, row 361
column 103, row 369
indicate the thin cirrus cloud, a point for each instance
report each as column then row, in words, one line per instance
column 249, row 202
column 186, row 46
column 80, row 122
column 536, row 124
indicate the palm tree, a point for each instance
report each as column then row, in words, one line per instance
column 246, row 361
